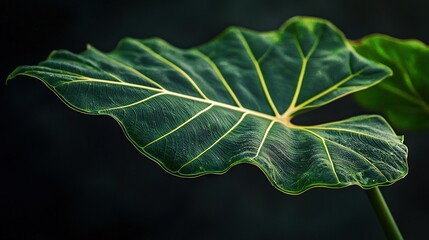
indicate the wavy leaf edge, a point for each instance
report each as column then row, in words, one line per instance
column 274, row 119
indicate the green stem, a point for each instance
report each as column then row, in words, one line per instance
column 383, row 213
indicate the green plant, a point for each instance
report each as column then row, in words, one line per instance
column 402, row 97
column 232, row 101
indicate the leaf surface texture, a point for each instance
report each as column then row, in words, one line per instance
column 230, row 101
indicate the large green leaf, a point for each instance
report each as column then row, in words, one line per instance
column 230, row 101
column 403, row 97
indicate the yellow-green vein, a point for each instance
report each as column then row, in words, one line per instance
column 170, row 64
column 350, row 131
column 326, row 150
column 216, row 142
column 180, row 126
column 263, row 139
column 133, row 104
column 266, row 54
column 86, row 62
column 305, row 59
column 360, row 156
column 323, row 93
column 219, row 75
column 180, row 95
column 259, row 72
column 133, row 70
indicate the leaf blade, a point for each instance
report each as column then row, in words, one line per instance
column 206, row 109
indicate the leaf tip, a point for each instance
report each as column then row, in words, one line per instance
column 13, row 74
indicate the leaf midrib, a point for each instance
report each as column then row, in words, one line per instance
column 285, row 120
column 167, row 92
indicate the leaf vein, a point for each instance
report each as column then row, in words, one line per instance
column 126, row 66
column 351, row 131
column 216, row 142
column 180, row 126
column 360, row 156
column 327, row 152
column 220, row 76
column 84, row 61
column 259, row 72
column 292, row 106
column 170, row 64
column 330, row 89
column 180, row 95
column 263, row 139
column 406, row 96
column 134, row 103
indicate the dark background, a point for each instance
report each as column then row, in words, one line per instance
column 66, row 175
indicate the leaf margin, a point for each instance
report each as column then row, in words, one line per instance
column 245, row 160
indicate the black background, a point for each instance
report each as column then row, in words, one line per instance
column 66, row 175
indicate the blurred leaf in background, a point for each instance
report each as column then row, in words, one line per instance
column 403, row 97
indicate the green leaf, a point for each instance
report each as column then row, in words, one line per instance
column 231, row 101
column 403, row 97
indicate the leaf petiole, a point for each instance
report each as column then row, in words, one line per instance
column 383, row 213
